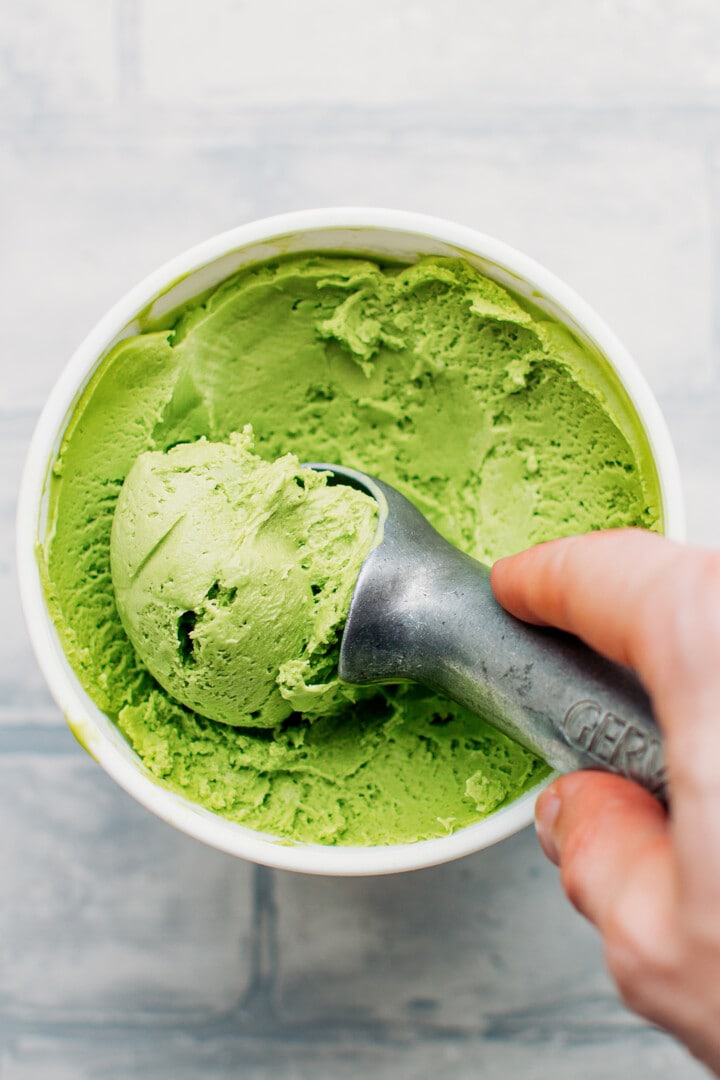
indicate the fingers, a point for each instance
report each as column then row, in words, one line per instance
column 654, row 606
column 596, row 586
column 650, row 884
column 609, row 838
column 612, row 843
column 614, row 848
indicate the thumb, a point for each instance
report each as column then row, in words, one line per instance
column 607, row 835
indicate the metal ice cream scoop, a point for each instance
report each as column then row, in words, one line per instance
column 422, row 611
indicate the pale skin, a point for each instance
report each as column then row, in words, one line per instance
column 649, row 881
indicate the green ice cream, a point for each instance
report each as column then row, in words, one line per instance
column 233, row 578
column 490, row 417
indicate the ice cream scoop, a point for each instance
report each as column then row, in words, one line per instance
column 423, row 611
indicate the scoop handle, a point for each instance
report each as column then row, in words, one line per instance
column 424, row 611
column 546, row 689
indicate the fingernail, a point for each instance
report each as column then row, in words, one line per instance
column 547, row 809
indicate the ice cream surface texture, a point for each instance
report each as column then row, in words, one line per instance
column 488, row 415
column 233, row 578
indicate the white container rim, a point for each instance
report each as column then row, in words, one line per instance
column 96, row 731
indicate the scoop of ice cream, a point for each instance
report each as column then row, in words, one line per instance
column 233, row 577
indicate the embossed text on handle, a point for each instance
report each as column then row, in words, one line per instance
column 615, row 743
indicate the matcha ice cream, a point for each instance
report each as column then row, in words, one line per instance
column 489, row 416
column 233, row 578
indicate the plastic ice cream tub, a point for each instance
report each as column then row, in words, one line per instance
column 387, row 235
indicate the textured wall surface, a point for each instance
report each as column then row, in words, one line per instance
column 587, row 135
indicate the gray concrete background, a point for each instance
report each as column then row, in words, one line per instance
column 587, row 134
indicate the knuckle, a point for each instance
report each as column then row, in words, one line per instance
column 707, row 597
column 628, row 971
column 701, row 587
column 631, row 976
column 702, row 937
column 677, row 631
column 641, row 961
column 709, row 562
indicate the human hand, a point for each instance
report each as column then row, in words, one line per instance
column 648, row 881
